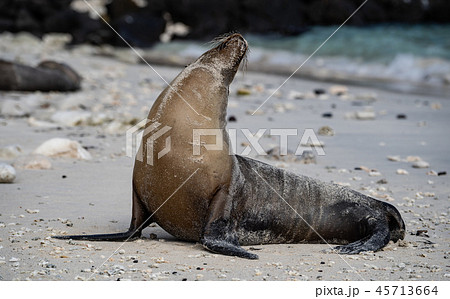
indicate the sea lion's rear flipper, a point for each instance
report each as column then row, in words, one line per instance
column 383, row 228
column 378, row 237
column 219, row 234
column 140, row 219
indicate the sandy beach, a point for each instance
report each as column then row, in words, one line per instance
column 391, row 146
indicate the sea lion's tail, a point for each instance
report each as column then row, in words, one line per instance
column 125, row 236
column 395, row 221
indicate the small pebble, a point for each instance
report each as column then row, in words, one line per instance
column 362, row 168
column 402, row 172
column 319, row 91
column 401, row 116
column 243, row 92
column 7, row 173
column 365, row 115
column 394, row 158
column 422, row 233
column 309, row 143
column 296, row 95
column 232, row 119
column 326, row 131
column 436, row 106
column 327, row 115
column 413, row 159
column 279, row 108
column 369, row 96
column 421, row 164
column 255, row 112
column 338, row 90
column 374, row 173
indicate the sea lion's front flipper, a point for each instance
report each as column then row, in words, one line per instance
column 219, row 234
column 226, row 247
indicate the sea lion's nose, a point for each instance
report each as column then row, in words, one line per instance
column 239, row 37
column 238, row 40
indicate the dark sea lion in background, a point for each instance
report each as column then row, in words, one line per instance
column 47, row 76
column 231, row 200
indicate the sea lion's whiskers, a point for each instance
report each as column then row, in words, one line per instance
column 244, row 62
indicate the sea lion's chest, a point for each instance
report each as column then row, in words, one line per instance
column 178, row 174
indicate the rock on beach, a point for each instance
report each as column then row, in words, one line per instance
column 62, row 147
column 7, row 173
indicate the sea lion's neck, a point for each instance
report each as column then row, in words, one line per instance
column 197, row 95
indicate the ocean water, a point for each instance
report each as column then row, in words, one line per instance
column 408, row 58
column 380, row 43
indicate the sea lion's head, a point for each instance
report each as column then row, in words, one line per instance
column 224, row 59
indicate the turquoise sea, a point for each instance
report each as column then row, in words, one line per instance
column 409, row 58
column 381, row 43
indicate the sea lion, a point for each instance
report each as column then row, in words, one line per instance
column 224, row 201
column 46, row 76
